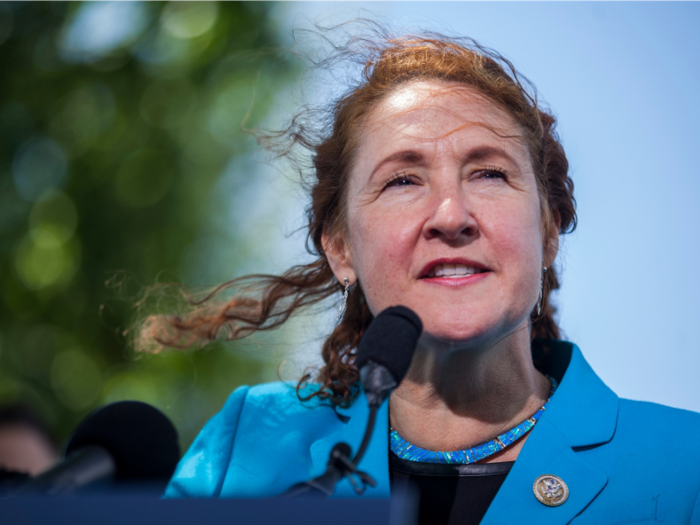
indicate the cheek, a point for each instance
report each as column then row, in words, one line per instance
column 382, row 245
column 516, row 239
column 514, row 235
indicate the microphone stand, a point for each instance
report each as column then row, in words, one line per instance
column 85, row 466
column 339, row 466
column 377, row 382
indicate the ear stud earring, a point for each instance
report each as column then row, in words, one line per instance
column 343, row 302
column 540, row 298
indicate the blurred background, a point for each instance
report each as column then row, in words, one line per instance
column 123, row 163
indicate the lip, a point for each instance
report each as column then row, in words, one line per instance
column 451, row 260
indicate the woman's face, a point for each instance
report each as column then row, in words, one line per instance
column 443, row 214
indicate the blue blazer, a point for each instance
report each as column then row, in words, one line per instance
column 623, row 461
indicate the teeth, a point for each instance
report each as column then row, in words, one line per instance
column 452, row 270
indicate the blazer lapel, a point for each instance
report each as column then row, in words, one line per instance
column 546, row 452
column 376, row 459
column 582, row 413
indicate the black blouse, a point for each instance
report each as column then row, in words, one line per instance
column 449, row 494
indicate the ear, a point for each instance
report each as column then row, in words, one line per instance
column 337, row 252
column 552, row 241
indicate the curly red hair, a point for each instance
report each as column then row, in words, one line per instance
column 388, row 64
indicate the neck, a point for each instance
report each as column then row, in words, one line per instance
column 458, row 396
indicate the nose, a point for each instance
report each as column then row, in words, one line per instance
column 450, row 217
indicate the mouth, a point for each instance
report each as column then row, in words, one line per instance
column 452, row 269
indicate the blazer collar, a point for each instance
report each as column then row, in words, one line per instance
column 582, row 413
column 581, row 395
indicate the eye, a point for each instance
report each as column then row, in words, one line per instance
column 400, row 179
column 492, row 173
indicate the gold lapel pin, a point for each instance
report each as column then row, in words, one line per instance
column 550, row 490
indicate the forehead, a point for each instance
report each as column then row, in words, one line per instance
column 432, row 110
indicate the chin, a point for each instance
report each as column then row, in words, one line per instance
column 466, row 328
column 455, row 330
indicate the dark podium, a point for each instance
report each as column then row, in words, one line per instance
column 145, row 509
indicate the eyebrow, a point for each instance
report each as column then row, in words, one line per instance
column 408, row 155
column 484, row 152
column 415, row 157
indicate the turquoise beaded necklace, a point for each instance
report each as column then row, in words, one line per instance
column 405, row 450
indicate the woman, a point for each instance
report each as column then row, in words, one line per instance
column 442, row 186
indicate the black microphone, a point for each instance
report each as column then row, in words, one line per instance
column 386, row 351
column 124, row 442
column 383, row 358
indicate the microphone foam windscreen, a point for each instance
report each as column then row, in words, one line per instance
column 390, row 340
column 141, row 440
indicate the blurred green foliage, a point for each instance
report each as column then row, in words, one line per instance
column 117, row 120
